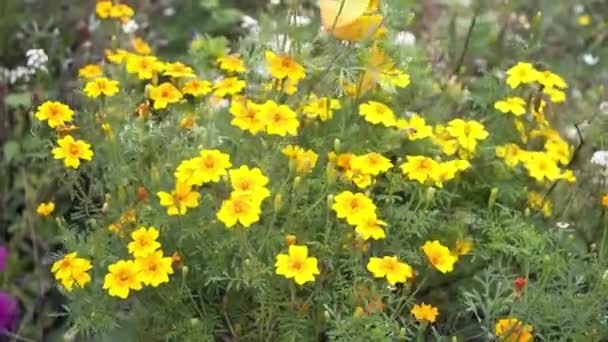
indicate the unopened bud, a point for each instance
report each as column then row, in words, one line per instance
column 184, row 270
column 492, row 199
column 290, row 240
column 330, row 201
column 326, row 315
column 296, row 182
column 359, row 312
column 278, row 202
column 122, row 194
column 331, row 174
column 337, row 145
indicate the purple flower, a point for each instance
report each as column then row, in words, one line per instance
column 9, row 312
column 3, row 255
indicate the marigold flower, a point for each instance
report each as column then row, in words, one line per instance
column 513, row 330
column 425, row 312
column 104, row 9
column 122, row 12
column 140, row 46
column 364, row 27
column 515, row 105
column 540, row 166
column 90, row 71
column 421, row 169
column 153, row 268
column 415, row 128
column 242, row 209
column 377, row 113
column 555, row 95
column 208, row 167
column 101, row 86
column 439, row 256
column 71, row 269
column 305, row 160
column 45, row 209
column 511, row 154
column 232, row 63
column 371, row 163
column 249, row 182
column 605, row 201
column 521, row 73
column 462, row 247
column 228, row 86
column 391, row 268
column 297, row 265
column 122, row 278
column 443, row 139
column 279, row 119
column 559, row 150
column 322, row 108
column 144, row 241
column 145, row 67
column 118, row 56
column 467, row 133
column 353, row 207
column 247, row 115
column 197, row 88
column 164, row 94
column 178, row 70
column 551, row 80
column 71, row 151
column 283, row 66
column 370, row 227
column 56, row 113
column 179, row 200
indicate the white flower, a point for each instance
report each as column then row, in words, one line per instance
column 590, row 59
column 130, row 27
column 36, row 59
column 275, row 2
column 562, row 225
column 604, row 107
column 248, row 22
column 600, row 158
column 169, row 12
column 405, row 38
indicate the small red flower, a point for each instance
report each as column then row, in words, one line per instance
column 520, row 283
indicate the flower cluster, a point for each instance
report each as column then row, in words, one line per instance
column 72, row 270
column 248, row 192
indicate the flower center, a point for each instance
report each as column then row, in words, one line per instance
column 74, row 150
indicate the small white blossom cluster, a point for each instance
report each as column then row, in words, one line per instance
column 36, row 60
column 600, row 158
column 130, row 27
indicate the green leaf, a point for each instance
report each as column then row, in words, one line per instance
column 11, row 149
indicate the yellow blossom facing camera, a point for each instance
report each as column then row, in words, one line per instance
column 297, row 265
column 305, row 160
column 72, row 151
column 415, row 127
column 208, row 167
column 90, row 71
column 72, row 270
column 145, row 67
column 45, row 209
column 521, row 73
column 439, row 256
column 467, row 133
column 322, row 108
column 377, row 113
column 153, row 269
column 513, row 330
column 249, row 182
column 421, row 169
column 425, row 313
column 511, row 154
column 122, row 277
column 196, row 88
column 247, row 115
column 164, row 94
column 55, row 113
column 370, row 227
column 143, row 241
column 140, row 46
column 104, row 9
column 353, row 207
column 228, row 86
column 178, row 70
column 283, row 66
column 232, row 63
column 122, row 11
column 541, row 167
column 280, row 119
column 101, row 86
column 179, row 200
column 514, row 105
column 239, row 209
column 391, row 268
column 371, row 163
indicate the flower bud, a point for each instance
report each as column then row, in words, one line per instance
column 122, row 194
column 337, row 145
column 154, row 175
column 359, row 312
column 326, row 315
column 142, row 194
column 330, row 201
column 331, row 174
column 296, row 182
column 492, row 199
column 429, row 194
column 194, row 321
column 290, row 240
column 278, row 202
column 184, row 270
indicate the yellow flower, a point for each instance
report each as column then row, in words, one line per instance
column 353, row 207
column 45, row 209
column 56, row 113
column 605, row 201
column 556, row 95
column 178, row 70
column 391, row 268
column 153, row 268
column 283, row 66
column 144, row 66
column 377, row 113
column 71, row 269
column 208, row 167
column 448, row 170
column 584, row 20
column 144, row 241
column 513, row 330
column 467, row 133
column 117, row 56
column 238, row 208
column 140, row 46
column 364, row 27
column 188, row 121
column 551, row 80
column 439, row 256
column 421, row 169
column 90, row 71
column 371, row 163
column 279, row 119
column 511, row 153
column 538, row 201
column 104, row 9
column 297, row 265
column 305, row 160
column 101, row 86
column 179, row 200
column 370, row 227
column 322, row 108
column 232, row 63
column 228, row 86
column 559, row 150
column 443, row 139
column 164, row 94
column 515, row 105
column 415, row 128
column 521, row 73
column 197, row 88
column 72, row 151
column 425, row 312
column 121, row 278
column 247, row 115
column 541, row 166
column 249, row 182
column 122, row 12
column 462, row 247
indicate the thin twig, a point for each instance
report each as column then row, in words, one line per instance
column 467, row 41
